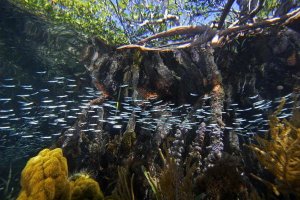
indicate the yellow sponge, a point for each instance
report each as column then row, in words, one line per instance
column 85, row 188
column 45, row 177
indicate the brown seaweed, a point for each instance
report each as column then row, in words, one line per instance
column 281, row 155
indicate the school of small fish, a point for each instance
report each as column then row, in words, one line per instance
column 33, row 116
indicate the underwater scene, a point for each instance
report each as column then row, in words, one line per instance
column 81, row 118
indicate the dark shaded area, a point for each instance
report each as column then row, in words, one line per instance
column 29, row 41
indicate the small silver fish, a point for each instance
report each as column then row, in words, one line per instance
column 253, row 97
column 47, row 101
column 23, row 95
column 41, row 72
column 62, row 96
column 123, row 86
column 117, row 126
column 259, row 102
column 71, row 86
column 6, row 111
column 8, row 86
column 44, row 90
column 5, row 99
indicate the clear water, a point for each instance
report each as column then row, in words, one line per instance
column 43, row 90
